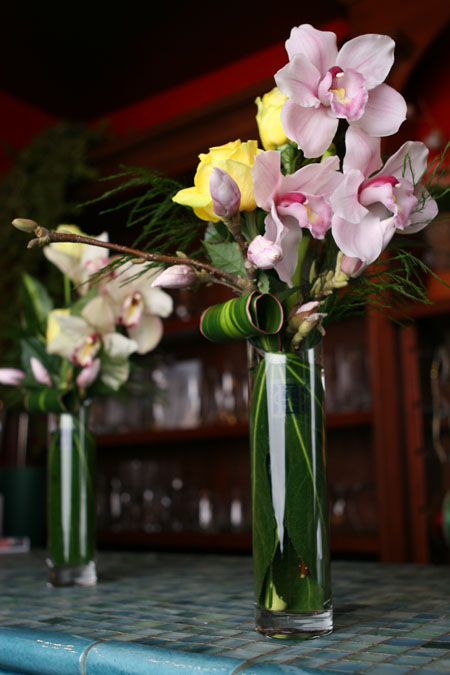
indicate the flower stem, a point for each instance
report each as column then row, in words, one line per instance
column 215, row 275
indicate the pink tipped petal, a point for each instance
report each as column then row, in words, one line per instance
column 318, row 46
column 89, row 374
column 371, row 55
column 266, row 173
column 380, row 191
column 425, row 211
column 348, row 96
column 384, row 113
column 352, row 267
column 345, row 199
column 299, row 80
column 410, row 162
column 312, row 129
column 362, row 152
column 11, row 376
column 40, row 372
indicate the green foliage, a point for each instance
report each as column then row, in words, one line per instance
column 165, row 226
column 41, row 186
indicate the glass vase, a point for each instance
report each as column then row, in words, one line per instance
column 291, row 546
column 71, row 499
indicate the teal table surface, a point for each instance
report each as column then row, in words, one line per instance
column 156, row 613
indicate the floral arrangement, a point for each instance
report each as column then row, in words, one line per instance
column 306, row 219
column 83, row 349
column 296, row 230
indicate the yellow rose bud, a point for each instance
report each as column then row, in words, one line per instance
column 69, row 248
column 236, row 159
column 268, row 119
column 53, row 328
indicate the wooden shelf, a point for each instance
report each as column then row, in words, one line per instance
column 158, row 436
column 238, row 541
column 335, row 420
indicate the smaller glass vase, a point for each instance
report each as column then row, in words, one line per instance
column 291, row 546
column 71, row 499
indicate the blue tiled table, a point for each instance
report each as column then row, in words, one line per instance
column 169, row 613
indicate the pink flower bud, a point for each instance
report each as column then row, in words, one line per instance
column 40, row 372
column 352, row 267
column 225, row 194
column 264, row 253
column 89, row 374
column 177, row 276
column 11, row 376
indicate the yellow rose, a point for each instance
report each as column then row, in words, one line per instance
column 236, row 159
column 53, row 327
column 72, row 249
column 268, row 119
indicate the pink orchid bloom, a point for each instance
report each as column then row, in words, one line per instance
column 11, row 376
column 296, row 201
column 324, row 85
column 370, row 207
column 40, row 372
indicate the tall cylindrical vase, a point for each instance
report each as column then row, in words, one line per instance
column 71, row 500
column 291, row 550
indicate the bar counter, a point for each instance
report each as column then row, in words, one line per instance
column 157, row 613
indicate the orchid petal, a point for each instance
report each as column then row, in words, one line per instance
column 410, row 162
column 321, row 177
column 317, row 46
column 266, row 173
column 344, row 199
column 362, row 152
column 118, row 346
column 99, row 314
column 147, row 333
column 365, row 240
column 299, row 80
column 115, row 373
column 40, row 372
column 289, row 234
column 89, row 374
column 371, row 55
column 384, row 113
column 312, row 129
column 157, row 301
column 425, row 212
column 11, row 376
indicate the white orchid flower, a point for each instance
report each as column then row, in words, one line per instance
column 80, row 339
column 136, row 305
column 77, row 261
